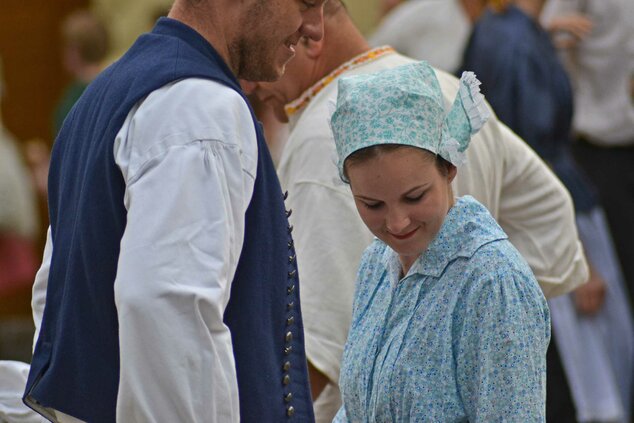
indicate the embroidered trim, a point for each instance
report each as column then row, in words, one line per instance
column 303, row 100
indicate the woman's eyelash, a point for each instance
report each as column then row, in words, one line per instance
column 415, row 199
column 372, row 206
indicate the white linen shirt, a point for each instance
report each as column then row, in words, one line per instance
column 188, row 156
column 502, row 173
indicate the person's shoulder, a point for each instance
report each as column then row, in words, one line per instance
column 196, row 109
column 497, row 267
column 375, row 253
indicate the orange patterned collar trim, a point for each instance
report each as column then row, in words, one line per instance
column 303, row 100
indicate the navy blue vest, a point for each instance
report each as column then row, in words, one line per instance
column 75, row 367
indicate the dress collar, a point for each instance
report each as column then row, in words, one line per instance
column 467, row 227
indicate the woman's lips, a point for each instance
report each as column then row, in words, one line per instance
column 405, row 236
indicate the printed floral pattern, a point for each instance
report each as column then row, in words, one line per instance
column 404, row 106
column 462, row 337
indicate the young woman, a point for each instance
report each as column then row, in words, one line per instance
column 449, row 323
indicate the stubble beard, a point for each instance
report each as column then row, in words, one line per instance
column 253, row 54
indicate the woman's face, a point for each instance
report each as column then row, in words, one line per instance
column 402, row 198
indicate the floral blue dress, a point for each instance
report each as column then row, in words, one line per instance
column 462, row 337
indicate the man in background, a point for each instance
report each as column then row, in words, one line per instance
column 505, row 175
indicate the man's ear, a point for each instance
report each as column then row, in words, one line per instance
column 313, row 48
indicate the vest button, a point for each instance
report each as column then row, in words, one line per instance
column 290, row 411
column 292, row 274
column 290, row 229
column 286, row 380
column 290, row 289
column 290, row 305
column 289, row 336
column 289, row 213
column 288, row 350
column 291, row 259
column 288, row 397
column 287, row 366
column 285, row 195
column 290, row 321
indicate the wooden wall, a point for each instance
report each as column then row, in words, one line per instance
column 29, row 48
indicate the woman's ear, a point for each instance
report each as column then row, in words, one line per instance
column 451, row 174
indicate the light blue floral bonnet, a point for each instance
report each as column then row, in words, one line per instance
column 404, row 105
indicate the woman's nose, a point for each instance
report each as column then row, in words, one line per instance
column 397, row 222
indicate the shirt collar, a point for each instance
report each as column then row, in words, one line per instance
column 300, row 103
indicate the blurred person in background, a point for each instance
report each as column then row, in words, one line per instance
column 591, row 358
column 596, row 40
column 504, row 174
column 433, row 30
column 18, row 215
column 85, row 46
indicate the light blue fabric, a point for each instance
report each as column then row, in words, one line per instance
column 462, row 337
column 404, row 105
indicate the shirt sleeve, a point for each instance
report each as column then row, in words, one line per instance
column 40, row 285
column 501, row 349
column 13, row 376
column 537, row 213
column 188, row 155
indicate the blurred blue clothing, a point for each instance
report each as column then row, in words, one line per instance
column 462, row 337
column 524, row 81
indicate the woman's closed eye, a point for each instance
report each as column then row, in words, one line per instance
column 372, row 205
column 415, row 199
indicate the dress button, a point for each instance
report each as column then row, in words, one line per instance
column 286, row 380
column 287, row 366
column 288, row 397
column 289, row 336
column 290, row 411
column 290, row 321
column 290, row 305
column 288, row 350
column 292, row 274
column 290, row 289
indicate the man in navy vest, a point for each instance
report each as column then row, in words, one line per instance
column 170, row 273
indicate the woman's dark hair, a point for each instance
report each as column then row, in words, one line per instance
column 367, row 153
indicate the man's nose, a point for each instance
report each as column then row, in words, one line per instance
column 313, row 24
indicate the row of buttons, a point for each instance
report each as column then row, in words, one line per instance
column 290, row 290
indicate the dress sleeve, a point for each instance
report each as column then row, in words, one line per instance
column 187, row 157
column 501, row 349
column 341, row 416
